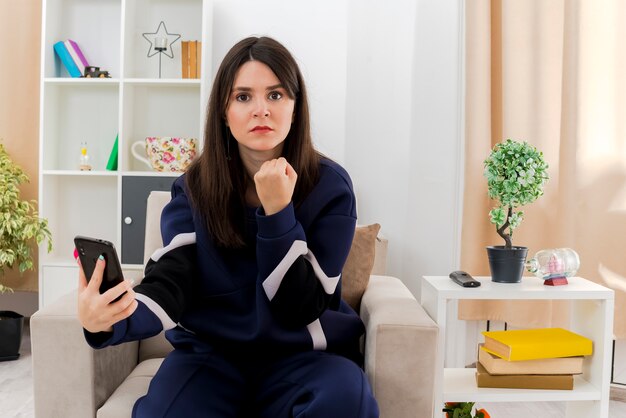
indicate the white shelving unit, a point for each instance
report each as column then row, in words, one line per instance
column 132, row 105
column 591, row 315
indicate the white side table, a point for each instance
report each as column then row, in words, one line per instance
column 591, row 315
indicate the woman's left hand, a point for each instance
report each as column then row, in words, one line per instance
column 275, row 182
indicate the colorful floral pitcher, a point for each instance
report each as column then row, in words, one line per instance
column 166, row 153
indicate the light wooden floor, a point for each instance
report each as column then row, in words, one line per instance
column 16, row 395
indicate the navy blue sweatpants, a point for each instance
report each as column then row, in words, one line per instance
column 310, row 384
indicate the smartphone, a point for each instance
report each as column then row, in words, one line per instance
column 89, row 249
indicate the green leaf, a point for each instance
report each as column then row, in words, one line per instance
column 516, row 173
column 515, row 219
column 497, row 216
column 20, row 226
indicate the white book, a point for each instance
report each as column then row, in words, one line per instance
column 75, row 58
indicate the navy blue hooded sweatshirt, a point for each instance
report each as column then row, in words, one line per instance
column 279, row 294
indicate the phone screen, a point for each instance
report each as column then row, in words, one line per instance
column 89, row 249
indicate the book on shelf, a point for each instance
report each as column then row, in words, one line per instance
column 77, row 55
column 191, row 59
column 523, row 381
column 538, row 343
column 495, row 365
column 198, row 58
column 184, row 54
column 193, row 45
column 112, row 163
column 66, row 59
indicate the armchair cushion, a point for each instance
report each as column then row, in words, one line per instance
column 400, row 349
column 121, row 402
column 359, row 264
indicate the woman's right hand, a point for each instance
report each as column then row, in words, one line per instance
column 275, row 182
column 96, row 313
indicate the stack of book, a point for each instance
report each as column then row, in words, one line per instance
column 543, row 358
column 72, row 57
column 191, row 57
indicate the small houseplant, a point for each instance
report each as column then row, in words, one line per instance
column 20, row 227
column 463, row 410
column 516, row 173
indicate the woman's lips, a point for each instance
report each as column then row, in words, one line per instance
column 261, row 129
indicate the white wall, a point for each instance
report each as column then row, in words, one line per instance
column 384, row 79
column 403, row 144
column 24, row 303
column 315, row 33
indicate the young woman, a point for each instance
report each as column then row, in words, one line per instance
column 248, row 284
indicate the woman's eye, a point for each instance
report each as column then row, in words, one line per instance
column 242, row 97
column 275, row 95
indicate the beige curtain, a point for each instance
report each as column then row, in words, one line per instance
column 20, row 51
column 553, row 73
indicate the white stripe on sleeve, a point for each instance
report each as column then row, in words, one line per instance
column 178, row 241
column 317, row 335
column 275, row 278
column 157, row 310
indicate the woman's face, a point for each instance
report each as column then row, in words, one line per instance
column 259, row 111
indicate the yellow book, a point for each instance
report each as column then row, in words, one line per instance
column 530, row 344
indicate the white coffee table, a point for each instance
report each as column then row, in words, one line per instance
column 591, row 316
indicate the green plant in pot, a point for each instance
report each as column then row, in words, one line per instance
column 20, row 227
column 516, row 173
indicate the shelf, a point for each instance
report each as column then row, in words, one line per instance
column 61, row 81
column 95, row 25
column 98, row 173
column 131, row 105
column 74, row 113
column 157, row 110
column 528, row 288
column 91, row 82
column 178, row 82
column 591, row 315
column 460, row 386
column 183, row 17
column 152, row 174
column 78, row 205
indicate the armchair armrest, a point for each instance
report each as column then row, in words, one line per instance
column 400, row 349
column 70, row 378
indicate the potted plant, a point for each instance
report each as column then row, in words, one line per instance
column 516, row 173
column 20, row 227
column 463, row 410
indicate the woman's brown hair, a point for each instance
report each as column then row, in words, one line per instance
column 216, row 180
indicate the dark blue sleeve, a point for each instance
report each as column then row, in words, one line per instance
column 299, row 271
column 167, row 281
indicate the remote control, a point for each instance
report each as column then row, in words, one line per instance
column 464, row 279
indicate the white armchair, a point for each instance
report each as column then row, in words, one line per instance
column 73, row 380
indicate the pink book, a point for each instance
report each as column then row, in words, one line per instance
column 77, row 55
